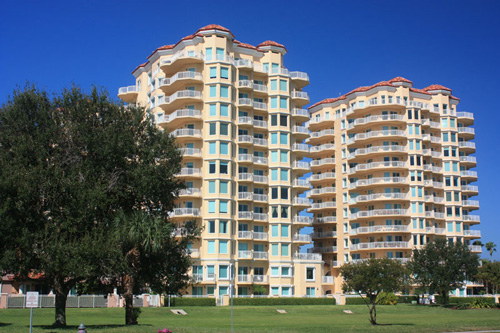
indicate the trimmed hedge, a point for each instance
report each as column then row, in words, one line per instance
column 182, row 301
column 359, row 300
column 284, row 301
column 466, row 300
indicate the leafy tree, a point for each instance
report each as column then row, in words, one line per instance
column 478, row 243
column 374, row 280
column 489, row 274
column 68, row 166
column 491, row 248
column 442, row 266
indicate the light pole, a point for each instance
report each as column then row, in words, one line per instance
column 231, row 284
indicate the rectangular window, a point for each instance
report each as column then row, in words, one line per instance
column 274, row 138
column 274, row 250
column 223, row 207
column 274, row 230
column 284, row 156
column 223, row 247
column 274, row 174
column 274, row 85
column 223, row 188
column 219, row 53
column 275, row 291
column 284, row 250
column 212, row 129
column 213, row 110
column 213, row 91
column 274, row 102
column 213, row 72
column 283, row 102
column 224, row 91
column 223, row 272
column 310, row 273
column 208, row 53
column 224, row 148
column 224, row 129
column 223, row 168
column 211, row 206
column 284, row 231
column 284, row 175
column 286, row 271
column 212, row 148
column 283, row 85
column 211, row 186
column 284, row 138
column 211, row 167
column 211, row 247
column 274, row 156
column 211, row 227
column 224, row 110
column 275, row 271
column 223, row 227
column 224, row 72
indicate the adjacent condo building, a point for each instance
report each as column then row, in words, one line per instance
column 238, row 116
column 392, row 169
column 389, row 166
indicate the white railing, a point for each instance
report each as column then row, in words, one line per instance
column 301, row 201
column 377, row 149
column 475, row 248
column 301, row 183
column 260, row 197
column 187, row 132
column 245, row 121
column 324, row 234
column 465, row 115
column 259, row 255
column 374, row 134
column 328, row 204
column 245, row 215
column 378, row 212
column 181, row 76
column 378, row 245
column 259, row 142
column 472, row 218
column 299, row 75
column 260, row 278
column 245, row 139
column 386, row 117
column 243, row 63
column 379, row 228
column 183, row 113
column 307, row 256
column 245, row 158
column 245, row 254
column 183, row 54
column 476, row 233
column 245, row 84
column 467, row 144
column 260, row 105
column 377, row 196
column 129, row 89
column 245, row 176
column 474, row 203
column 471, row 159
column 260, row 216
column 318, row 191
column 245, row 234
column 325, row 219
column 259, row 235
column 324, row 249
column 468, row 173
column 259, row 179
column 245, row 196
column 322, row 161
column 319, row 134
column 300, row 147
column 301, row 165
column 191, row 151
column 377, row 180
column 374, row 165
column 185, row 212
column 327, row 279
column 302, row 219
column 302, row 238
column 299, row 94
column 190, row 191
column 190, row 172
column 300, row 129
column 260, row 160
column 468, row 130
column 260, row 88
column 322, row 176
column 245, row 101
column 260, row 123
column 300, row 112
column 323, row 147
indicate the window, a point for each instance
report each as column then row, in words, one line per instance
column 213, row 91
column 211, row 186
column 223, row 207
column 275, row 271
column 223, row 227
column 211, row 167
column 224, row 148
column 224, row 72
column 283, row 102
column 310, row 291
column 310, row 273
column 213, row 109
column 283, row 120
column 274, row 174
column 283, row 85
column 274, row 120
column 211, row 227
column 274, row 193
column 285, row 291
column 222, row 247
column 286, row 271
column 224, row 91
column 213, row 129
column 274, row 230
column 224, row 128
column 284, row 250
column 213, row 72
column 223, row 187
column 284, row 193
column 274, row 156
column 274, row 85
column 211, row 247
column 211, row 206
column 284, row 138
column 275, row 291
column 223, row 168
column 211, row 148
column 284, row 231
column 274, row 138
column 208, row 53
column 284, row 175
column 283, row 156
column 274, row 102
column 224, row 110
column 274, row 250
column 224, row 272
column 219, row 53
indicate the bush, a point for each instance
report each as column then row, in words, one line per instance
column 480, row 303
column 407, row 299
column 460, row 300
column 390, row 298
column 284, row 301
column 354, row 301
column 183, row 301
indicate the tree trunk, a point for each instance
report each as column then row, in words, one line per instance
column 61, row 290
column 130, row 314
column 444, row 293
column 373, row 314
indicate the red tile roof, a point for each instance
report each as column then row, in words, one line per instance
column 400, row 79
column 215, row 27
column 248, row 46
column 436, row 87
column 420, row 91
column 141, row 65
column 272, row 43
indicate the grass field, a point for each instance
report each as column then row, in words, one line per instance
column 311, row 318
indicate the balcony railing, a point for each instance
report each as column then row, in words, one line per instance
column 383, row 196
column 324, row 249
column 185, row 212
column 187, row 132
column 190, row 191
column 471, row 218
column 245, row 139
column 245, row 234
column 302, row 219
column 300, row 112
column 260, row 160
column 467, row 144
column 299, row 75
column 465, row 115
column 377, row 180
column 468, row 173
column 375, row 134
column 259, row 255
column 129, row 89
column 374, row 165
column 302, row 238
column 259, row 179
column 327, row 280
column 323, row 205
column 245, row 215
column 301, row 183
column 299, row 94
column 181, row 76
column 301, row 165
column 377, row 149
column 260, row 88
column 191, row 151
column 245, row 196
column 245, row 158
column 260, row 216
column 300, row 129
column 470, row 159
column 324, row 234
column 379, row 245
column 300, row 147
column 323, row 190
column 190, row 172
column 468, row 130
column 370, row 119
column 245, row 121
column 245, row 254
column 325, row 219
column 378, row 212
column 301, row 201
column 307, row 256
column 319, row 134
column 323, row 147
column 321, row 176
column 379, row 228
column 323, row 161
column 245, row 176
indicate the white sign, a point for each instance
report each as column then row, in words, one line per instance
column 32, row 299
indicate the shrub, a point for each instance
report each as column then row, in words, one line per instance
column 407, row 299
column 390, row 298
column 480, row 303
column 182, row 301
column 469, row 300
column 354, row 301
column 284, row 301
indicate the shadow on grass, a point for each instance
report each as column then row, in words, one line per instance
column 395, row 325
column 5, row 324
column 74, row 328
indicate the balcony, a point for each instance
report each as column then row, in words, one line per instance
column 245, row 103
column 260, row 255
column 469, row 174
column 190, row 152
column 300, row 114
column 245, row 235
column 245, row 158
column 245, row 84
column 374, row 119
column 326, row 147
column 260, row 124
column 260, row 236
column 300, row 132
column 467, row 146
column 301, row 166
column 379, row 245
column 300, row 148
column 324, row 249
column 300, row 79
column 181, row 59
column 260, row 278
column 245, row 215
column 194, row 253
column 260, row 142
column 243, row 63
column 178, row 117
column 245, row 196
column 260, row 160
column 189, row 133
column 378, row 212
column 245, row 255
column 301, row 183
column 260, row 197
column 327, row 280
column 248, row 121
column 320, row 191
column 469, row 161
column 189, row 172
column 377, row 149
column 190, row 192
column 322, row 176
column 259, row 88
column 323, row 162
column 245, row 177
column 307, row 256
column 323, row 205
column 379, row 229
column 301, row 202
column 325, row 219
column 376, row 134
column 470, row 189
column 378, row 165
column 472, row 233
column 466, row 132
column 475, row 248
column 298, row 219
column 260, row 106
column 260, row 179
column 471, row 204
column 380, row 196
column 466, row 118
column 302, row 96
column 302, row 238
column 317, row 136
column 128, row 94
column 185, row 212
column 324, row 234
column 377, row 181
column 169, row 85
column 244, row 278
column 245, row 139
column 176, row 100
column 260, row 217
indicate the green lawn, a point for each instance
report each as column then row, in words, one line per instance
column 310, row 318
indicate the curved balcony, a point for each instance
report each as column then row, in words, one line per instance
column 128, row 94
column 467, row 147
column 378, row 212
column 324, row 162
column 468, row 161
column 260, row 255
column 185, row 212
column 245, row 140
column 472, row 233
column 301, row 167
column 303, row 220
column 245, row 234
column 179, row 60
column 260, row 179
column 179, row 117
column 260, row 197
column 245, row 158
column 245, row 177
column 260, row 142
column 300, row 79
column 245, row 103
column 386, row 119
column 303, row 184
column 301, row 203
column 302, row 238
column 325, row 219
column 260, row 160
column 243, row 63
column 259, row 89
column 307, row 256
column 380, row 229
column 190, row 192
column 245, row 84
column 245, row 215
column 178, row 99
column 300, row 98
column 326, row 148
column 321, row 122
column 180, row 79
column 260, row 217
column 245, row 121
column 260, row 124
column 323, row 249
column 472, row 219
column 300, row 149
column 300, row 132
column 469, row 175
column 436, row 154
column 245, row 196
column 244, row 255
column 376, row 134
column 378, row 181
column 324, row 234
column 300, row 115
column 260, row 236
column 380, row 197
column 466, row 118
column 323, row 205
column 319, row 136
column 319, row 177
column 260, row 106
column 182, row 134
column 379, row 245
column 475, row 248
column 376, row 150
column 189, row 172
column 467, row 133
column 470, row 204
column 190, row 153
column 369, row 167
column 470, row 189
column 324, row 191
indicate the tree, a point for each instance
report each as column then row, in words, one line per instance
column 489, row 274
column 491, row 248
column 374, row 280
column 68, row 166
column 443, row 266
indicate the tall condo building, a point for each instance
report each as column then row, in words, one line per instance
column 238, row 116
column 391, row 170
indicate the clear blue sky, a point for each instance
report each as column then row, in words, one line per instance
column 341, row 44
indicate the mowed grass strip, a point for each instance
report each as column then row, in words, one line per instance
column 309, row 318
